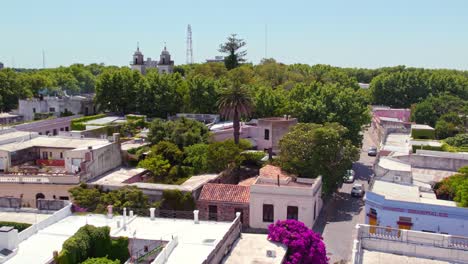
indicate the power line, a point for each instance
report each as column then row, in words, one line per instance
column 189, row 45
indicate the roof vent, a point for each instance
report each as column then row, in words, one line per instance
column 271, row 253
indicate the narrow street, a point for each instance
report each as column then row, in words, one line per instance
column 340, row 215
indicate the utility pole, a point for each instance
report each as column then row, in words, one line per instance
column 43, row 59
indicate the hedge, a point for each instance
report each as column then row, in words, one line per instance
column 90, row 242
column 425, row 147
column 135, row 117
column 100, row 261
column 78, row 123
column 15, row 225
column 422, row 134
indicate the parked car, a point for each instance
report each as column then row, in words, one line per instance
column 372, row 151
column 358, row 190
column 349, row 176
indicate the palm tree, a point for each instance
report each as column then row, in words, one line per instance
column 234, row 103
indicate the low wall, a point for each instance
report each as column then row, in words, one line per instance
column 411, row 243
column 54, row 218
column 225, row 245
column 166, row 252
column 10, row 202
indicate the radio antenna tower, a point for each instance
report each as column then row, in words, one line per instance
column 43, row 59
column 189, row 45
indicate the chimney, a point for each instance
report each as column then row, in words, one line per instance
column 8, row 237
column 116, row 137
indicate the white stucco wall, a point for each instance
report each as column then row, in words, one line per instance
column 281, row 197
column 428, row 217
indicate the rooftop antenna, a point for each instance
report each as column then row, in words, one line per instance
column 189, row 45
column 138, row 46
column 43, row 59
column 266, row 41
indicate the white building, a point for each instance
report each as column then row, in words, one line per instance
column 46, row 167
column 164, row 65
column 277, row 195
column 55, row 105
column 183, row 240
column 386, row 245
column 407, row 207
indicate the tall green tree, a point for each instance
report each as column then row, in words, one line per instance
column 310, row 150
column 232, row 47
column 235, row 102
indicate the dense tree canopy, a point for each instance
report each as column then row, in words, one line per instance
column 310, row 150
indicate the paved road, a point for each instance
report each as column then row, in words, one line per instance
column 338, row 219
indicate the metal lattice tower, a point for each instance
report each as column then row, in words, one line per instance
column 189, row 45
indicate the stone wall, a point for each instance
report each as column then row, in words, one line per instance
column 29, row 192
column 226, row 211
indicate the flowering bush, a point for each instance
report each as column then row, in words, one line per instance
column 304, row 245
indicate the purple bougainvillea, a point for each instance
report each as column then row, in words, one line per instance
column 304, row 245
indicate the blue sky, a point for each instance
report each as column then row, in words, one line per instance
column 371, row 33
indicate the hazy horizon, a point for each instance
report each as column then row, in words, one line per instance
column 358, row 34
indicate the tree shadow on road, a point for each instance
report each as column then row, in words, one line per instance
column 363, row 172
column 341, row 207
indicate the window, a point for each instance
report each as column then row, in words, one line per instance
column 61, row 155
column 373, row 211
column 267, row 134
column 52, row 109
column 47, row 132
column 55, row 132
column 44, row 155
column 268, row 212
column 212, row 212
column 64, row 198
column 50, row 154
column 66, row 128
column 61, row 129
column 34, row 110
column 315, row 210
column 292, row 212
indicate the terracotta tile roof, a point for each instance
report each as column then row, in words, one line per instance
column 225, row 193
column 270, row 171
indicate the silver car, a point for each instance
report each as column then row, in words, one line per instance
column 349, row 176
column 358, row 190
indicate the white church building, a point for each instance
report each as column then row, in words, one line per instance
column 164, row 65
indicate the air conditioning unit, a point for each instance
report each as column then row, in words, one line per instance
column 397, row 178
column 271, row 253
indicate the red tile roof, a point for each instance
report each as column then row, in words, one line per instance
column 270, row 171
column 225, row 193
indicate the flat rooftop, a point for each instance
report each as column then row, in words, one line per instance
column 104, row 120
column 252, row 248
column 23, row 217
column 394, row 164
column 196, row 241
column 397, row 142
column 16, row 134
column 407, row 193
column 55, row 142
column 422, row 127
column 117, row 177
column 372, row 257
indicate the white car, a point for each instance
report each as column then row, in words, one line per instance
column 349, row 176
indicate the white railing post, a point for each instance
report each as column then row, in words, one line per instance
column 195, row 216
column 152, row 213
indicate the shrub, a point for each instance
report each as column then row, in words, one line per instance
column 460, row 140
column 454, row 188
column 223, row 155
column 253, row 158
column 177, row 200
column 78, row 123
column 119, row 249
column 304, row 245
column 100, row 261
column 89, row 242
column 15, row 225
column 197, row 157
column 422, row 134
